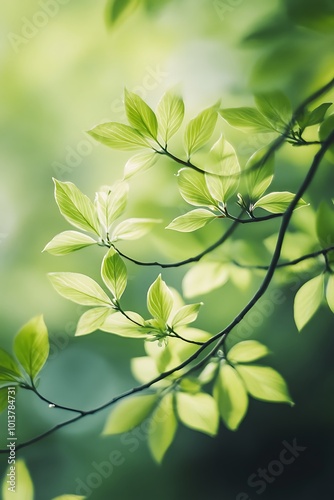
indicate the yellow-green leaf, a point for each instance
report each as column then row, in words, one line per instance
column 264, row 383
column 129, row 413
column 140, row 163
column 259, row 173
column 162, row 428
column 194, row 189
column 159, row 299
column 111, row 203
column 79, row 288
column 277, row 203
column 123, row 326
column 114, row 273
column 330, row 292
column 203, row 278
column 119, row 136
column 170, row 113
column 67, row 242
column 24, row 488
column 249, row 119
column 140, row 115
column 198, row 411
column 247, row 351
column 308, row 300
column 191, row 221
column 92, row 320
column 199, row 130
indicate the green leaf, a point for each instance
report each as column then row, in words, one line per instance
column 24, row 488
column 246, row 351
column 199, row 130
column 140, row 163
column 117, row 9
column 186, row 314
column 111, row 203
column 67, row 242
column 114, row 273
column 140, row 115
column 76, row 207
column 276, row 107
column 121, row 325
column 231, row 396
column 264, row 383
column 159, row 300
column 119, row 136
column 193, row 188
column 92, row 320
column 325, row 130
column 259, row 173
column 325, row 225
column 129, row 413
column 203, row 278
column 308, row 300
column 162, row 428
column 249, row 119
column 330, row 292
column 133, row 229
column 170, row 113
column 9, row 369
column 31, row 346
column 277, row 202
column 79, row 288
column 317, row 115
column 198, row 411
column 3, row 399
column 191, row 221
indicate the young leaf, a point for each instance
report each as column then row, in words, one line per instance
column 159, row 300
column 79, row 288
column 259, row 173
column 203, row 278
column 247, row 351
column 318, row 114
column 114, row 273
column 170, row 113
column 187, row 314
column 129, row 413
column 191, row 221
column 140, row 115
column 325, row 225
column 92, row 320
column 264, row 383
column 140, row 163
column 119, row 136
column 76, row 207
column 277, row 203
column 67, row 242
column 249, row 119
column 111, row 203
column 162, row 428
column 24, row 488
column 308, row 300
column 276, row 107
column 193, row 188
column 330, row 292
column 133, row 229
column 31, row 346
column 198, row 411
column 231, row 396
column 130, row 326
column 9, row 369
column 199, row 130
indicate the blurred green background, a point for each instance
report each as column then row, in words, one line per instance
column 61, row 78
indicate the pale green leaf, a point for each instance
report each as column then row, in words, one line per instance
column 330, row 292
column 199, row 130
column 259, row 173
column 133, row 229
column 31, row 346
column 114, row 273
column 193, row 188
column 187, row 314
column 140, row 115
column 111, row 203
column 276, row 107
column 325, row 225
column 247, row 351
column 140, row 163
column 145, row 369
column 119, row 136
column 129, row 413
column 191, row 221
column 162, row 428
column 79, row 288
column 170, row 113
column 76, row 207
column 92, row 320
column 264, row 383
column 317, row 115
column 198, row 411
column 24, row 488
column 231, row 397
column 307, row 300
column 249, row 119
column 9, row 369
column 159, row 299
column 67, row 242
column 277, row 202
column 130, row 326
column 203, row 278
